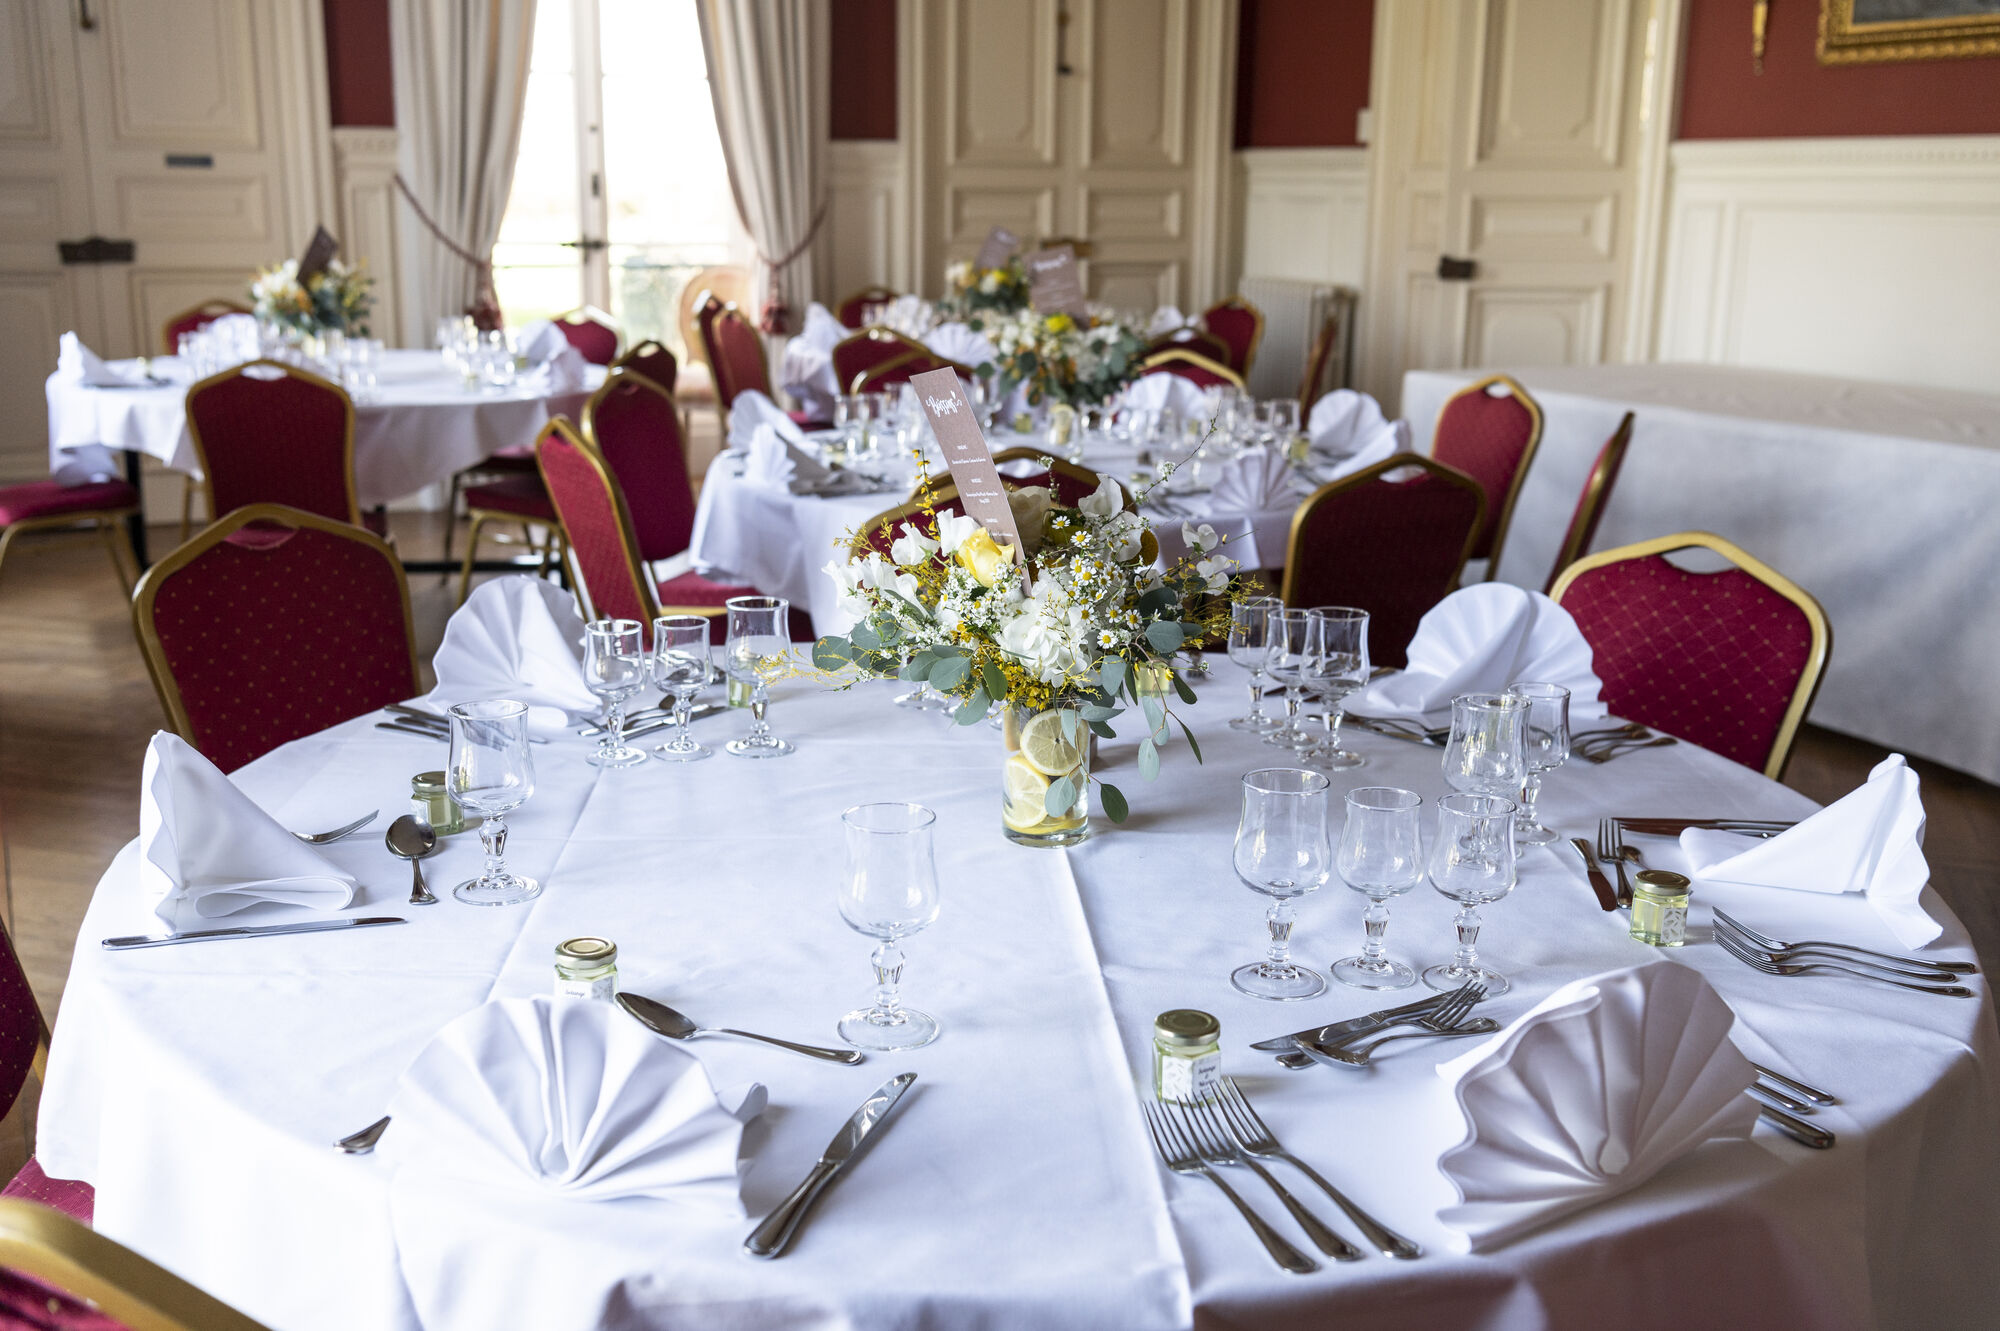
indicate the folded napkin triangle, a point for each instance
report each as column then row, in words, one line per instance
column 776, row 463
column 1349, row 425
column 1254, row 481
column 1481, row 639
column 207, row 850
column 515, row 637
column 752, row 409
column 79, row 364
column 1160, row 391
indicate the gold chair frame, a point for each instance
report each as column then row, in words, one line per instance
column 627, row 359
column 1237, row 302
column 1806, row 689
column 291, row 372
column 1594, row 487
column 587, row 313
column 109, row 524
column 215, row 309
column 1513, row 495
column 46, row 1244
column 865, row 381
column 1318, row 357
column 939, row 493
column 1181, row 356
column 207, row 539
column 704, row 323
column 1295, row 541
column 877, row 333
column 868, row 295
column 1189, row 338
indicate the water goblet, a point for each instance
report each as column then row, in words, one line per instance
column 1483, row 755
column 1291, row 645
column 1472, row 862
column 1247, row 647
column 888, row 892
column 759, row 650
column 1381, row 856
column 490, row 773
column 1282, row 851
column 1338, row 669
column 680, row 666
column 614, row 666
column 1545, row 745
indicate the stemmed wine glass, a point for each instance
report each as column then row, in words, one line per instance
column 888, row 892
column 614, row 666
column 1338, row 669
column 1292, row 641
column 759, row 650
column 1282, row 851
column 1248, row 621
column 680, row 666
column 1472, row 862
column 1483, row 755
column 1381, row 856
column 490, row 773
column 1545, row 744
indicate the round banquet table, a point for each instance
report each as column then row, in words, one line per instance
column 418, row 427
column 198, row 1087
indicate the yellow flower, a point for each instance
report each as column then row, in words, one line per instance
column 1059, row 323
column 985, row 558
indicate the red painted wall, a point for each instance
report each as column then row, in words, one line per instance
column 358, row 79
column 862, row 86
column 1796, row 96
column 1302, row 72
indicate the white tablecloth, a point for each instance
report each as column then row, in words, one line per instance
column 419, row 426
column 1882, row 501
column 198, row 1087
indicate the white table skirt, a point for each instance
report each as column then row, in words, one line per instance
column 420, row 426
column 1883, row 502
column 199, row 1087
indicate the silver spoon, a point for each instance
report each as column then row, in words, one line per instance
column 660, row 1019
column 362, row 1142
column 321, row 838
column 410, row 839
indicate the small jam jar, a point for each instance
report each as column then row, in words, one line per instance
column 587, row 968
column 1660, row 907
column 432, row 803
column 1187, row 1055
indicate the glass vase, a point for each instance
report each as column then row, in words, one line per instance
column 1037, row 756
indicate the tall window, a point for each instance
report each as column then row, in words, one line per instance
column 620, row 194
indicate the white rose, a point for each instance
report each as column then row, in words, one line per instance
column 1108, row 498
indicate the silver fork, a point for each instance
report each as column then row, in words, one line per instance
column 1771, row 944
column 1611, row 848
column 1254, row 1137
column 1362, row 1056
column 1439, row 1019
column 322, row 838
column 1178, row 1155
column 1761, row 962
column 1214, row 1144
column 1605, row 753
column 1907, row 970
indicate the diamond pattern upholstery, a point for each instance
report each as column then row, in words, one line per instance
column 635, row 429
column 1237, row 325
column 735, row 352
column 650, row 359
column 1489, row 438
column 267, row 433
column 854, row 356
column 46, row 499
column 1590, row 503
column 520, row 494
column 595, row 341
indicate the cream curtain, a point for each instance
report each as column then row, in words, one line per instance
column 767, row 75
column 461, row 74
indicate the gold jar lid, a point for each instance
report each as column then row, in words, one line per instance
column 583, row 953
column 1660, row 883
column 1186, row 1026
column 427, row 783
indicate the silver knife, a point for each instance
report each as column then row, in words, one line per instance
column 770, row 1238
column 413, row 722
column 248, row 931
column 1352, row 1026
column 1797, row 1129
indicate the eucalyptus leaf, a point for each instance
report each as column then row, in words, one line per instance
column 949, row 673
column 1149, row 760
column 1102, row 731
column 974, row 709
column 1111, row 675
column 1115, row 807
column 865, row 638
column 1094, row 713
column 1156, row 713
column 996, row 680
column 1192, row 743
column 1156, row 600
column 1062, row 794
column 832, row 653
column 1165, row 636
column 1181, row 687
column 1068, row 716
column 887, row 629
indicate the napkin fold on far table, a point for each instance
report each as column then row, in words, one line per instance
column 1601, row 1085
column 773, row 462
column 1254, row 481
column 79, row 364
column 1480, row 639
column 752, row 409
column 1870, row 840
column 207, row 850
column 1350, row 427
column 516, row 637
column 1160, row 391
column 554, row 366
column 957, row 342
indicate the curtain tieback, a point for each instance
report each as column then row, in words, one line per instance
column 486, row 307
column 776, row 316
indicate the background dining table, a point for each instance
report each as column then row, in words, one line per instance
column 199, row 1087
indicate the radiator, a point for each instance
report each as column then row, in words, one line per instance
column 1295, row 312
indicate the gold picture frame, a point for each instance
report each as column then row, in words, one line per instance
column 1873, row 31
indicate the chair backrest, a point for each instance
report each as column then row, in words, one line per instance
column 1067, row 482
column 123, row 1290
column 854, row 356
column 727, row 283
column 1729, row 660
column 880, row 532
column 1491, row 438
column 24, row 1036
column 592, row 332
column 1192, row 366
column 1391, row 539
column 193, row 320
column 891, row 374
column 1190, row 339
column 852, row 311
column 598, row 525
column 652, row 359
column 734, row 350
column 256, row 635
column 268, row 433
column 1319, row 363
column 635, row 428
column 1240, row 326
column 1590, row 504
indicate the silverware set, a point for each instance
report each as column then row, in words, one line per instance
column 416, row 721
column 1926, row 977
column 1606, row 743
column 1783, row 1101
column 1225, row 1132
column 664, row 1021
column 649, row 719
column 1438, row 1015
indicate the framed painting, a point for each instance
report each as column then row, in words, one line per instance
column 1857, row 31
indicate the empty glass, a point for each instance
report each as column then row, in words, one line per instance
column 1291, row 645
column 680, row 666
column 1472, row 862
column 1282, row 851
column 1381, row 856
column 1545, row 746
column 758, row 651
column 1338, row 669
column 889, row 891
column 614, row 666
column 1483, row 755
column 490, row 773
column 1247, row 648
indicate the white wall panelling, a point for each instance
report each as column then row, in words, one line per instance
column 365, row 172
column 1302, row 213
column 1874, row 258
column 866, row 238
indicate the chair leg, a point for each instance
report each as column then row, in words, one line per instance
column 471, row 557
column 119, row 545
column 187, row 511
column 451, row 513
column 7, row 535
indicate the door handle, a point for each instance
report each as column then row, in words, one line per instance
column 588, row 245
column 95, row 249
column 1456, row 270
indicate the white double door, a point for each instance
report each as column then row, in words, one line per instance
column 194, row 130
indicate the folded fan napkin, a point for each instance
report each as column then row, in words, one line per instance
column 778, row 464
column 1165, row 320
column 752, row 409
column 1600, row 1086
column 1160, row 391
column 955, row 341
column 1481, row 639
column 554, row 365
column 79, row 364
column 515, row 637
column 1869, row 840
column 822, row 331
column 205, row 849
column 1254, row 481
column 1345, row 423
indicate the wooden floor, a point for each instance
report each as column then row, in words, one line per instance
column 77, row 710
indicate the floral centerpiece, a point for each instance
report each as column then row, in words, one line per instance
column 334, row 300
column 1061, row 359
column 974, row 295
column 1093, row 622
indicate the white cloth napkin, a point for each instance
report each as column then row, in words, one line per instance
column 776, row 463
column 1600, row 1086
column 79, row 364
column 206, row 849
column 912, row 316
column 1345, row 423
column 529, row 1117
column 955, row 341
column 752, row 409
column 1869, row 840
column 1254, row 481
column 1165, row 320
column 1481, row 639
column 822, row 331
column 1160, row 391
column 516, row 637
column 555, row 365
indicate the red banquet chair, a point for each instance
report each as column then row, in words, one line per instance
column 1067, row 482
column 24, row 1052
column 652, row 359
column 59, row 1275
column 1391, row 539
column 1590, row 504
column 1190, row 339
column 1192, row 366
column 270, row 433
column 897, row 372
column 879, row 533
column 1729, row 660
column 734, row 351
column 869, row 349
column 852, row 311
column 1326, row 348
column 592, row 332
column 193, row 320
column 1240, row 326
column 1492, row 438
column 258, row 634
column 44, row 506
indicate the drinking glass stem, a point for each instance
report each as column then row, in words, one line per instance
column 760, row 701
column 888, row 963
column 1376, row 922
column 1336, row 712
column 493, row 840
column 1530, row 788
column 1256, row 695
column 683, row 714
column 1293, row 697
column 613, row 737
column 1279, row 917
column 1466, row 958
